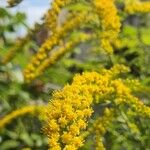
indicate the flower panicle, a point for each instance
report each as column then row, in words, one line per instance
column 56, row 55
column 69, row 112
column 53, row 13
column 110, row 20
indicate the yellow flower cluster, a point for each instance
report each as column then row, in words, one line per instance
column 19, row 112
column 65, row 122
column 107, row 13
column 47, row 47
column 51, row 17
column 100, row 127
column 137, row 6
column 119, row 43
column 110, row 21
column 57, row 54
column 70, row 109
column 60, row 52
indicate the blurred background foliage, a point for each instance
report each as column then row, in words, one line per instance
column 132, row 49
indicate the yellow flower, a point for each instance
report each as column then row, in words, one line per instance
column 73, row 116
column 136, row 6
column 107, row 11
column 70, row 147
column 19, row 112
column 67, row 138
column 53, row 12
column 63, row 121
column 74, row 129
column 57, row 54
column 53, row 126
column 105, row 15
column 48, row 45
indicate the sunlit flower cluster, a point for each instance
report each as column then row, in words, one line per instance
column 100, row 127
column 51, row 17
column 61, row 51
column 19, row 112
column 137, row 6
column 106, row 19
column 110, row 21
column 55, row 56
column 110, row 27
column 70, row 109
column 45, row 57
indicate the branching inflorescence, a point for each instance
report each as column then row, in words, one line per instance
column 69, row 115
column 106, row 20
column 48, row 46
column 105, row 25
column 70, row 110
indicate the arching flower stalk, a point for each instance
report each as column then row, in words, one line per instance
column 49, row 44
column 51, row 17
column 20, row 112
column 69, row 112
column 108, row 28
column 100, row 126
column 137, row 6
column 110, row 21
column 57, row 54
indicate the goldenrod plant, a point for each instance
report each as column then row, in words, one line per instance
column 67, row 124
column 95, row 9
column 56, row 55
column 96, row 12
column 78, row 79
